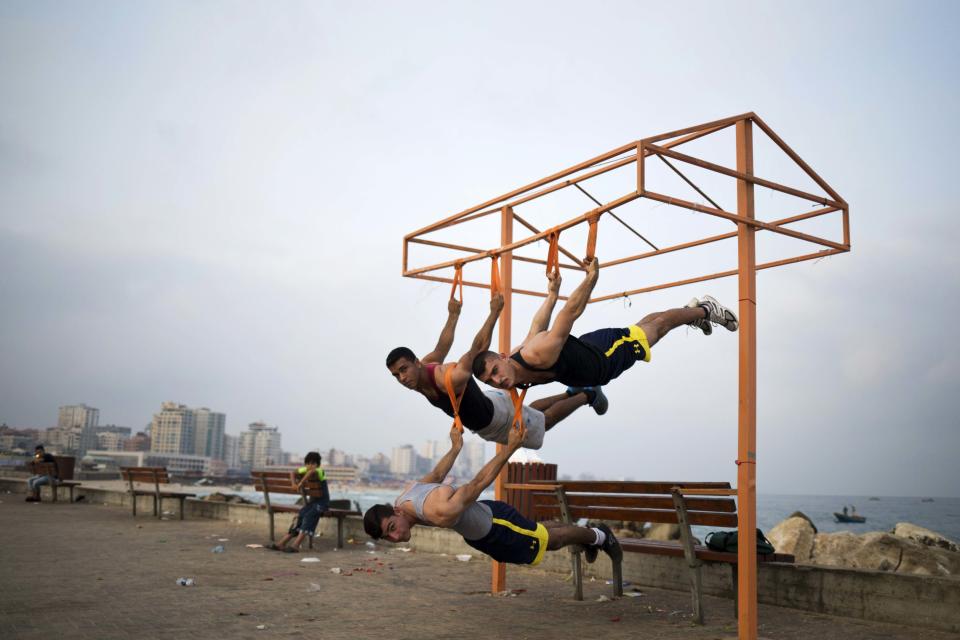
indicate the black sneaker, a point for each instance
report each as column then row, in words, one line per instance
column 610, row 546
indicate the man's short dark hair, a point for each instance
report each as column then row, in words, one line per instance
column 373, row 518
column 312, row 457
column 480, row 362
column 399, row 353
column 39, row 447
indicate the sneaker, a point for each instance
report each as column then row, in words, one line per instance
column 610, row 546
column 600, row 403
column 719, row 314
column 700, row 323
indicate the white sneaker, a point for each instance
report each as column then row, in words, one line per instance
column 701, row 323
column 719, row 314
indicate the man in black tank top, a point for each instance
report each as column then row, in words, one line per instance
column 597, row 357
column 485, row 412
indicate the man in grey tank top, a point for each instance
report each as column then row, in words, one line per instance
column 490, row 526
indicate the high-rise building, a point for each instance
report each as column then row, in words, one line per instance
column 260, row 446
column 76, row 424
column 475, row 455
column 173, row 430
column 139, row 442
column 231, row 451
column 208, row 439
column 403, row 462
column 431, row 450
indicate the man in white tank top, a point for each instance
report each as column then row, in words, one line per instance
column 490, row 526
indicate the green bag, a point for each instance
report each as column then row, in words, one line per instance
column 727, row 541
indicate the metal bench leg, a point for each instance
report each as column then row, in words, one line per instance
column 575, row 558
column 617, row 578
column 339, row 533
column 696, row 586
column 270, row 513
column 183, row 503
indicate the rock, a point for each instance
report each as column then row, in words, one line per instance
column 662, row 531
column 924, row 536
column 795, row 536
column 215, row 497
column 801, row 514
column 883, row 552
column 226, row 497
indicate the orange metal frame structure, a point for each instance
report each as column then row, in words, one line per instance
column 746, row 225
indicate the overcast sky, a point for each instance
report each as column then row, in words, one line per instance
column 204, row 202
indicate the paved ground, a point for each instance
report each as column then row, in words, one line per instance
column 90, row 571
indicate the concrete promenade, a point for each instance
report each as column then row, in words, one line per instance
column 92, row 571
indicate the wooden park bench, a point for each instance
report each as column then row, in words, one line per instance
column 50, row 469
column 152, row 476
column 285, row 481
column 681, row 503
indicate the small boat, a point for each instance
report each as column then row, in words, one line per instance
column 844, row 517
column 927, row 500
column 874, row 498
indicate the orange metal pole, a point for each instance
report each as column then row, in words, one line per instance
column 747, row 422
column 499, row 581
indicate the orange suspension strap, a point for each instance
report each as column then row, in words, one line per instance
column 494, row 276
column 457, row 281
column 592, row 237
column 518, row 409
column 454, row 399
column 553, row 253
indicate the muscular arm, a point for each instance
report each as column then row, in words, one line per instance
column 541, row 320
column 481, row 342
column 449, row 512
column 544, row 349
column 446, row 334
column 446, row 462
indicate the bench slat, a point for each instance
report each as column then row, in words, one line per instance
column 674, row 548
column 638, row 515
column 659, row 487
column 725, row 505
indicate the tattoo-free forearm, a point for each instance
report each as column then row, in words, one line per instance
column 446, row 336
column 541, row 320
column 481, row 342
column 445, row 464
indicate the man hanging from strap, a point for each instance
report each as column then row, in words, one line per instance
column 488, row 413
column 490, row 526
column 597, row 357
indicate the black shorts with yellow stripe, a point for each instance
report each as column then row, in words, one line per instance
column 512, row 538
column 621, row 348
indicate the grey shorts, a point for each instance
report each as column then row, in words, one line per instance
column 499, row 427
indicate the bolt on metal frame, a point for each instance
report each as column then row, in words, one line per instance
column 746, row 225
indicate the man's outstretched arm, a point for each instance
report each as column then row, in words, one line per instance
column 451, row 511
column 541, row 320
column 446, row 462
column 445, row 341
column 545, row 349
column 481, row 342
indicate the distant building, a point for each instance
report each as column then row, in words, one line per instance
column 335, row 457
column 474, row 455
column 208, row 438
column 110, row 441
column 173, row 430
column 260, row 446
column 431, row 450
column 139, row 442
column 340, row 474
column 176, row 464
column 18, row 439
column 75, row 428
column 403, row 462
column 231, row 451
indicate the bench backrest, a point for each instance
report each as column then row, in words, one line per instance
column 43, row 468
column 153, row 475
column 285, row 481
column 637, row 502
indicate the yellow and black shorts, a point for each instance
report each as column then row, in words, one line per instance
column 621, row 347
column 513, row 538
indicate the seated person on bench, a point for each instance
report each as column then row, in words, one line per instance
column 313, row 508
column 597, row 357
column 490, row 526
column 34, row 482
